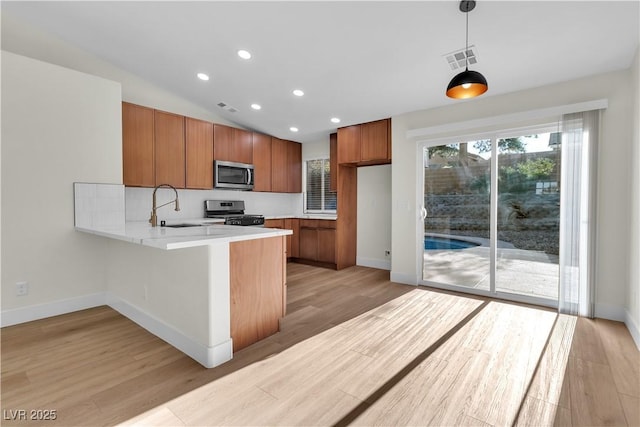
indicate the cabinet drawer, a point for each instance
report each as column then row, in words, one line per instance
column 308, row 223
column 326, row 223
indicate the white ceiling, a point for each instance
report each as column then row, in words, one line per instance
column 359, row 61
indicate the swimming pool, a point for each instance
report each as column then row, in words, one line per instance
column 433, row 242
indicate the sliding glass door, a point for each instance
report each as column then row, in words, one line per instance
column 457, row 215
column 491, row 216
column 528, row 220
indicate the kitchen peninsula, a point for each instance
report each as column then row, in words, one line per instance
column 208, row 290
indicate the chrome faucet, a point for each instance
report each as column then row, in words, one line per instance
column 154, row 218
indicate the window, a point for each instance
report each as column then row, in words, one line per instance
column 318, row 196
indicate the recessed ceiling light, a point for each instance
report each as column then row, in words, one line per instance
column 293, row 129
column 203, row 76
column 244, row 54
column 256, row 106
column 335, row 120
column 298, row 92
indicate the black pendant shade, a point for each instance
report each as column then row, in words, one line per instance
column 467, row 84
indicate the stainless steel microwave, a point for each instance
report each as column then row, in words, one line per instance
column 232, row 175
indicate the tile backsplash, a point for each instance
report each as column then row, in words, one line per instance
column 139, row 201
column 98, row 205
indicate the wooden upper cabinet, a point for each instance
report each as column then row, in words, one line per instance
column 242, row 146
column 279, row 175
column 261, row 162
column 232, row 145
column 375, row 141
column 349, row 144
column 294, row 167
column 199, row 153
column 137, row 146
column 365, row 144
column 169, row 149
column 222, row 142
column 333, row 162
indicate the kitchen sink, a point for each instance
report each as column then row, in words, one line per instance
column 183, row 225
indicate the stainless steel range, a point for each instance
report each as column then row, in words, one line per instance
column 232, row 211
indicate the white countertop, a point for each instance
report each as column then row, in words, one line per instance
column 168, row 238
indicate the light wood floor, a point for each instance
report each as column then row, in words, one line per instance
column 353, row 349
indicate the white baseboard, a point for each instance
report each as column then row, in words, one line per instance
column 633, row 328
column 406, row 279
column 610, row 312
column 55, row 308
column 382, row 264
column 206, row 356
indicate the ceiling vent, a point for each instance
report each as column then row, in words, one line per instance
column 458, row 59
column 227, row 107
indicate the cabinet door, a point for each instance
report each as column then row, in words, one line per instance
column 279, row 178
column 294, row 167
column 375, row 144
column 199, row 153
column 261, row 162
column 242, row 146
column 349, row 144
column 309, row 243
column 327, row 245
column 257, row 282
column 137, row 146
column 293, row 241
column 333, row 162
column 232, row 145
column 169, row 149
column 222, row 142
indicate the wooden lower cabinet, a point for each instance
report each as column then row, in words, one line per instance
column 293, row 241
column 326, row 245
column 309, row 243
column 258, row 289
column 292, row 224
column 318, row 241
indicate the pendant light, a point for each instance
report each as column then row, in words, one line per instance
column 467, row 84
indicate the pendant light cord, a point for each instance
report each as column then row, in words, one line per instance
column 466, row 49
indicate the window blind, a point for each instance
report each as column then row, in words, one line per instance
column 318, row 196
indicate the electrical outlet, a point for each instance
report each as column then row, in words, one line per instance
column 22, row 288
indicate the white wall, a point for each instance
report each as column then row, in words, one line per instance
column 315, row 150
column 58, row 126
column 633, row 295
column 613, row 192
column 374, row 216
